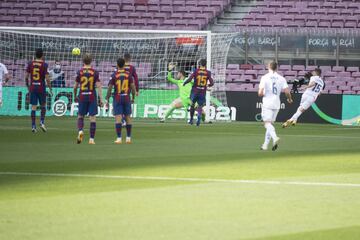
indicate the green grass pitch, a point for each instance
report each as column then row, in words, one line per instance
column 177, row 182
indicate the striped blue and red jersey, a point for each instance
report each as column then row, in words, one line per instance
column 37, row 71
column 132, row 70
column 121, row 79
column 202, row 77
column 87, row 77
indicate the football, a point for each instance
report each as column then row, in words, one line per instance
column 76, row 51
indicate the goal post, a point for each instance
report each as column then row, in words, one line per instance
column 151, row 51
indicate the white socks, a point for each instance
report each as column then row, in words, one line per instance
column 296, row 115
column 267, row 138
column 270, row 130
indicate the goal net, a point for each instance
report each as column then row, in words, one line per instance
column 151, row 51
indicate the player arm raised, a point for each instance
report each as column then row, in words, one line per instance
column 169, row 75
column 189, row 79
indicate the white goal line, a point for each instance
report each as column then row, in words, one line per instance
column 181, row 179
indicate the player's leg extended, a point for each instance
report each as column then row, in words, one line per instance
column 304, row 105
column 306, row 102
column 177, row 103
column 298, row 113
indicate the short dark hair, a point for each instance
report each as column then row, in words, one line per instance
column 121, row 62
column 39, row 53
column 87, row 58
column 182, row 71
column 202, row 62
column 127, row 57
column 317, row 71
column 273, row 65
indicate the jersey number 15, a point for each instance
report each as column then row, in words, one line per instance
column 317, row 88
column 201, row 81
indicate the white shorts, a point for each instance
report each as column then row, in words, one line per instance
column 269, row 115
column 307, row 101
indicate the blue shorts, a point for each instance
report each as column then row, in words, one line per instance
column 36, row 97
column 122, row 108
column 200, row 99
column 88, row 107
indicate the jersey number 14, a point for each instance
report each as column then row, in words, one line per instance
column 122, row 86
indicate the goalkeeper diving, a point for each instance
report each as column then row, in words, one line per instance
column 183, row 101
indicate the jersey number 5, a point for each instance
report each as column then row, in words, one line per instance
column 85, row 83
column 201, row 81
column 36, row 74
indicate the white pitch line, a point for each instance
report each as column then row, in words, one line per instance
column 180, row 179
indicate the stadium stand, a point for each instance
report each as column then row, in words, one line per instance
column 195, row 15
column 139, row 14
column 338, row 79
column 309, row 14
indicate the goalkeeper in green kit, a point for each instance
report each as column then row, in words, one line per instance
column 184, row 91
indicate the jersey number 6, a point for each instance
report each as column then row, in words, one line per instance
column 274, row 89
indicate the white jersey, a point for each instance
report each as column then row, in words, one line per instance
column 273, row 84
column 316, row 90
column 3, row 71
